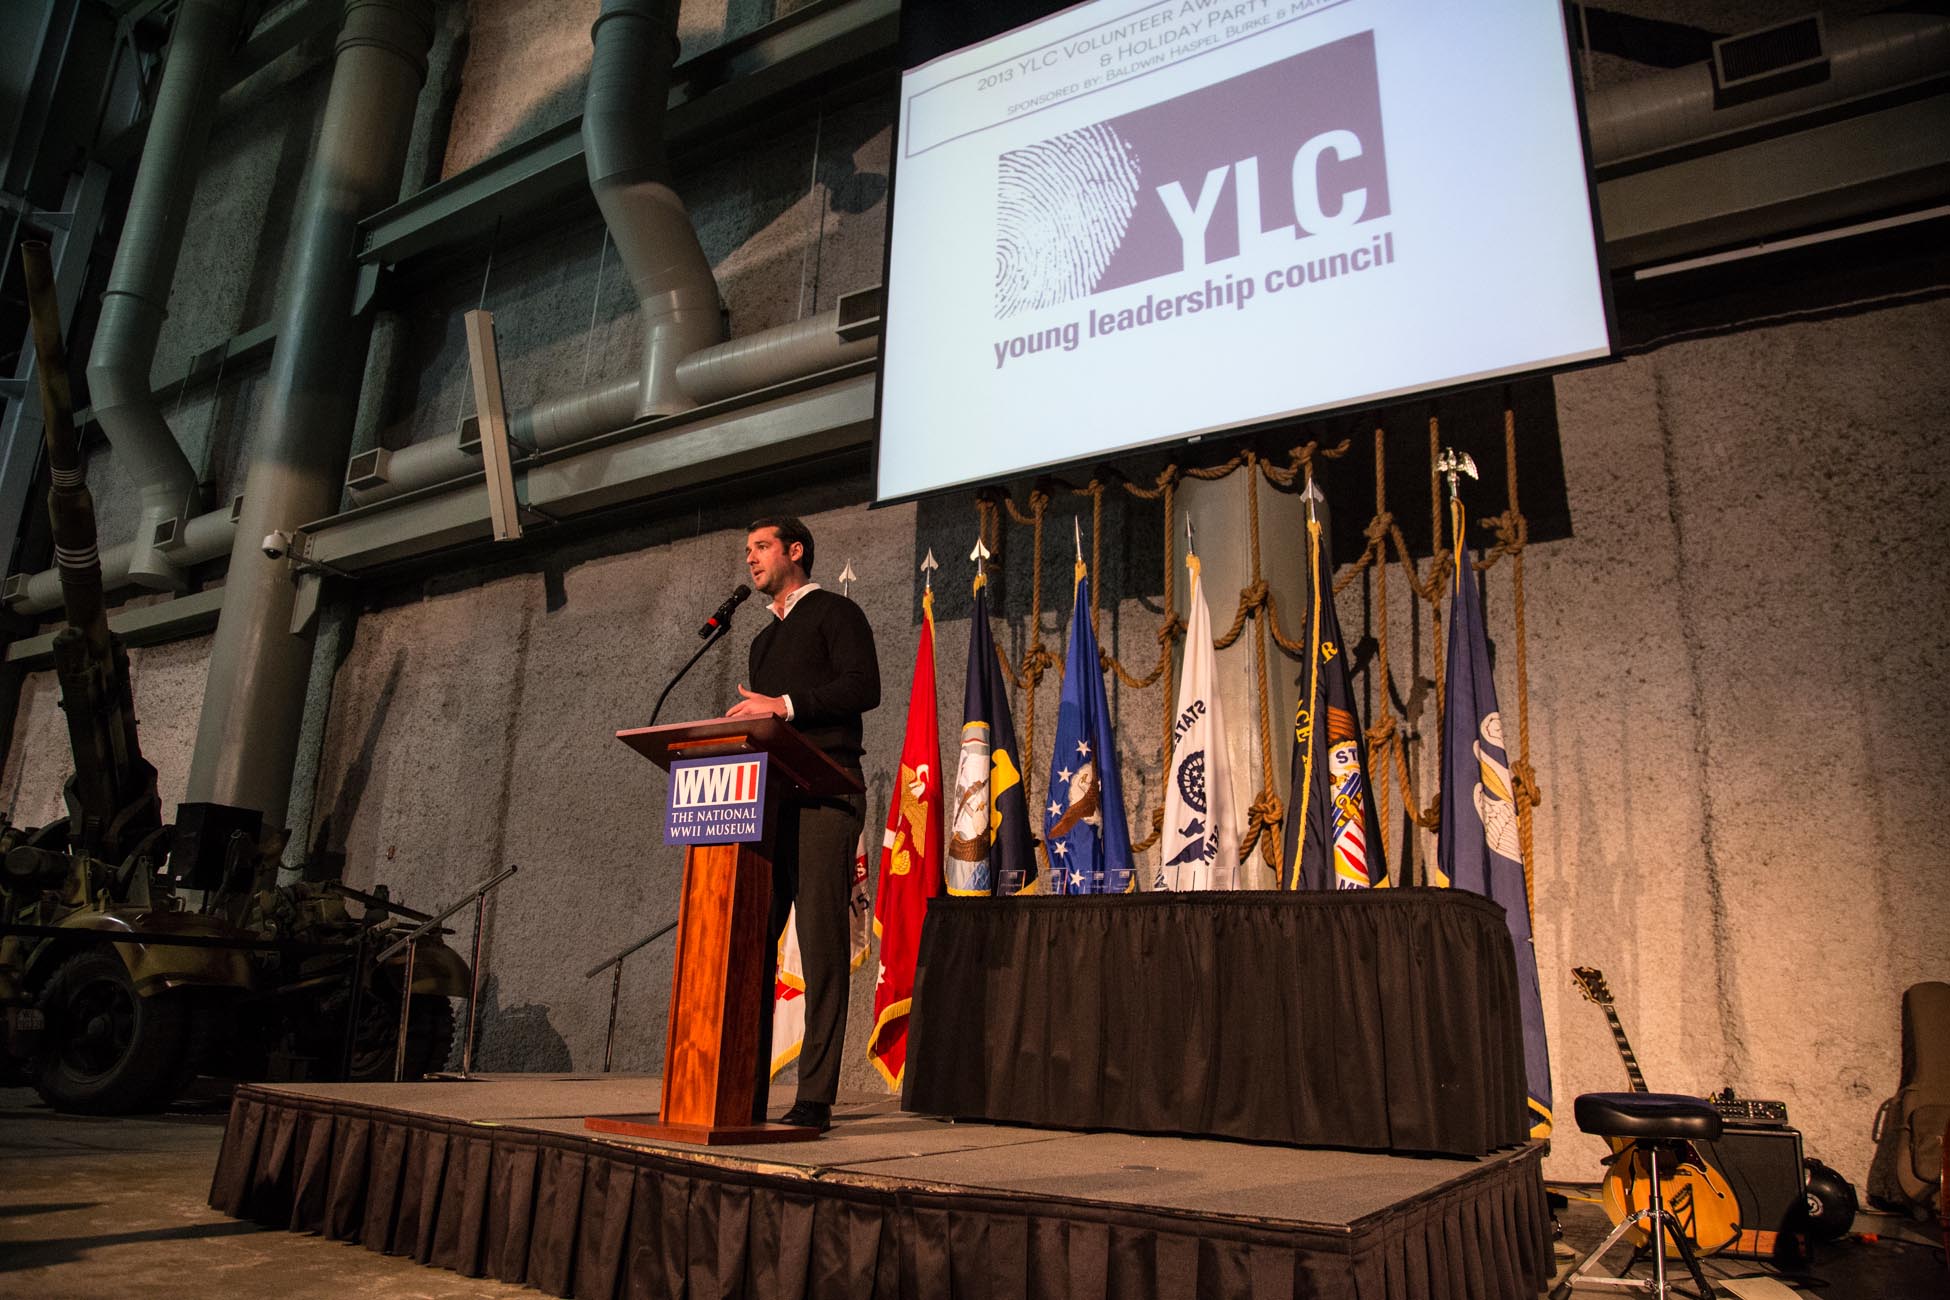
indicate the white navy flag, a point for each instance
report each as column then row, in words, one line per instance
column 1200, row 848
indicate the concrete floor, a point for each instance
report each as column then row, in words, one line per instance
column 117, row 1207
column 1884, row 1258
column 99, row 1207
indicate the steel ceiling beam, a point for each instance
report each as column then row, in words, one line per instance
column 1831, row 173
column 171, row 620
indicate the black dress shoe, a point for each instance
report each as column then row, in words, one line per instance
column 809, row 1114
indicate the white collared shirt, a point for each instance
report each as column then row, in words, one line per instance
column 791, row 600
column 779, row 613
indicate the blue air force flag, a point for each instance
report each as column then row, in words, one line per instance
column 1477, row 847
column 1201, row 833
column 989, row 847
column 1084, row 833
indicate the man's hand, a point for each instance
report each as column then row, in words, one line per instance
column 755, row 705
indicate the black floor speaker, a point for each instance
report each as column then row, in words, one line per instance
column 1762, row 1164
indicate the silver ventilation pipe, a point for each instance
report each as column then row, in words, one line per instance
column 202, row 539
column 770, row 357
column 743, row 365
column 137, row 298
column 247, row 738
column 1679, row 107
column 635, row 44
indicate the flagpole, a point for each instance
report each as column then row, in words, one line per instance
column 1310, row 495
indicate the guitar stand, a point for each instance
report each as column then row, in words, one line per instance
column 1657, row 1221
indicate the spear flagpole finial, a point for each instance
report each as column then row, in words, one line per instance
column 848, row 577
column 980, row 555
column 1313, row 496
column 928, row 566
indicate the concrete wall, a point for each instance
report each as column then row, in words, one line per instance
column 1739, row 715
column 168, row 684
column 1736, row 720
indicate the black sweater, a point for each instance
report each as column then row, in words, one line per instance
column 822, row 655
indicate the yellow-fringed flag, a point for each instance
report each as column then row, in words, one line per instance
column 910, row 864
column 1478, row 847
column 789, row 985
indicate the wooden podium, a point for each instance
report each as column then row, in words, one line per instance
column 711, row 1046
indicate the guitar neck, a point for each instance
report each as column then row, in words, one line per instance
column 1625, row 1049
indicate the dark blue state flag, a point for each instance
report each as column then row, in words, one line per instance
column 1084, row 832
column 1478, row 848
column 1332, row 836
column 989, row 846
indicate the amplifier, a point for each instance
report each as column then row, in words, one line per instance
column 1762, row 1164
column 1745, row 1110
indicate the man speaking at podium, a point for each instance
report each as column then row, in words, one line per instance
column 813, row 665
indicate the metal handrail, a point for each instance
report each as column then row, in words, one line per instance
column 616, row 986
column 418, row 932
column 478, row 897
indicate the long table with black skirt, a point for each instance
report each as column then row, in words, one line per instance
column 1384, row 1020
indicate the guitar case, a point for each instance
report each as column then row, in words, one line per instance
column 1907, row 1170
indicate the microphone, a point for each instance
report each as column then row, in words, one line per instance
column 718, row 621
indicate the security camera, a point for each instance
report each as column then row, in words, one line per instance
column 275, row 544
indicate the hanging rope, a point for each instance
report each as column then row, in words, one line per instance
column 1386, row 745
column 1513, row 534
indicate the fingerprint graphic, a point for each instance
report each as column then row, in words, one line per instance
column 1063, row 205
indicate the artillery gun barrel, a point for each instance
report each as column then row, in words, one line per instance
column 70, row 508
column 374, row 902
column 112, row 795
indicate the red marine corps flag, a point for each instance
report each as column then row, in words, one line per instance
column 910, row 862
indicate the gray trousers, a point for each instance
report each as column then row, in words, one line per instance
column 812, row 848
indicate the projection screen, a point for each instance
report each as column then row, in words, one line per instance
column 1127, row 223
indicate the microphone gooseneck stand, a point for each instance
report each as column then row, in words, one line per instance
column 718, row 634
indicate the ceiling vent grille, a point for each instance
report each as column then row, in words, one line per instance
column 1774, row 59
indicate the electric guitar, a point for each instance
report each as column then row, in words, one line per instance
column 1692, row 1189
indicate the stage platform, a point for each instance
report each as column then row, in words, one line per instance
column 498, row 1177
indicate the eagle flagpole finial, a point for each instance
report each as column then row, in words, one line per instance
column 1452, row 464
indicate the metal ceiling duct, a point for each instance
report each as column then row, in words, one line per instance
column 730, row 369
column 137, row 298
column 1683, row 107
column 772, row 356
column 635, row 45
column 247, row 738
column 202, row 539
column 1793, row 130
